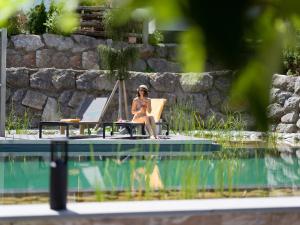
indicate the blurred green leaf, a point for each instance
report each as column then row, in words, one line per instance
column 9, row 7
column 192, row 51
column 68, row 20
column 252, row 86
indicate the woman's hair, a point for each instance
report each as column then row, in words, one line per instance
column 145, row 92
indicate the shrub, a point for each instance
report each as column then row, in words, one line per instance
column 90, row 2
column 37, row 18
column 291, row 61
column 156, row 37
column 17, row 24
column 52, row 23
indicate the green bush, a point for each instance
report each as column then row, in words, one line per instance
column 91, row 2
column 17, row 24
column 291, row 61
column 156, row 37
column 37, row 18
column 52, row 23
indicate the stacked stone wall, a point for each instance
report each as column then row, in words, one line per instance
column 80, row 52
column 51, row 94
column 285, row 99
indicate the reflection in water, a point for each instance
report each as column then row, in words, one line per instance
column 253, row 169
column 283, row 171
column 143, row 175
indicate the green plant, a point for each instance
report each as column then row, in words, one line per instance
column 53, row 20
column 117, row 61
column 19, row 124
column 17, row 24
column 156, row 37
column 37, row 18
column 183, row 117
column 91, row 2
column 291, row 61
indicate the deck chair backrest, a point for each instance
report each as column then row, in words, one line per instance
column 92, row 109
column 157, row 105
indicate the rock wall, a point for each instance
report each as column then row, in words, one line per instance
column 285, row 100
column 79, row 52
column 50, row 94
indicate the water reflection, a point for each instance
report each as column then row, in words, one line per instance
column 283, row 171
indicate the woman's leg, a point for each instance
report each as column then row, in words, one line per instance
column 153, row 126
column 146, row 120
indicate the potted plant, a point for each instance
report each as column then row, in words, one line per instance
column 117, row 58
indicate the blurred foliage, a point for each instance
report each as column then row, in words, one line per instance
column 37, row 18
column 62, row 18
column 16, row 24
column 91, row 2
column 247, row 36
column 53, row 20
column 156, row 37
column 9, row 7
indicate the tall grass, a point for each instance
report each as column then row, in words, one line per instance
column 14, row 122
column 185, row 119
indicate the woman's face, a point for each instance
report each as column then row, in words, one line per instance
column 141, row 92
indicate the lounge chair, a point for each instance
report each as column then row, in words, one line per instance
column 157, row 105
column 92, row 110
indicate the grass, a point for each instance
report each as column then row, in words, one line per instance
column 19, row 124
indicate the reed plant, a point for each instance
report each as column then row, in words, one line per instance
column 19, row 124
column 185, row 119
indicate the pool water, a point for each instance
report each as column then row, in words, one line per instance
column 229, row 170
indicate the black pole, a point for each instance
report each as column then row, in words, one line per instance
column 58, row 175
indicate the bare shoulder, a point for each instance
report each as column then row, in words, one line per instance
column 135, row 99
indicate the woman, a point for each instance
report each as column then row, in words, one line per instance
column 140, row 106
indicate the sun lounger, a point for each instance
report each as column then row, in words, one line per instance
column 92, row 111
column 157, row 105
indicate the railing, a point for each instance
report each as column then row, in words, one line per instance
column 3, row 45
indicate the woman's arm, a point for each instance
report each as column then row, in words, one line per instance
column 133, row 108
column 149, row 109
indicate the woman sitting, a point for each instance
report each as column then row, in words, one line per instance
column 140, row 106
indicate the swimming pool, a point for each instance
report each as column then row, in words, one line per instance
column 185, row 175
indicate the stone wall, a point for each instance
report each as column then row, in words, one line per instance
column 50, row 94
column 79, row 52
column 285, row 99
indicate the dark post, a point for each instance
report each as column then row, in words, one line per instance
column 58, row 175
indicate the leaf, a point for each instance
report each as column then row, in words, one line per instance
column 9, row 7
column 191, row 50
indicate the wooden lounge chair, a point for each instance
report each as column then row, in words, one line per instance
column 157, row 105
column 92, row 111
